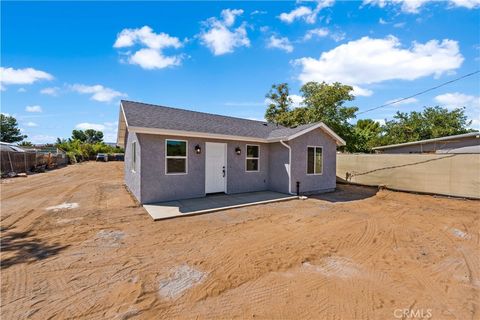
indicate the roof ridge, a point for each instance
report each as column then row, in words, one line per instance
column 202, row 112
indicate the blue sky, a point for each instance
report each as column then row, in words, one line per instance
column 66, row 65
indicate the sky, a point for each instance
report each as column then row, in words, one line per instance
column 67, row 65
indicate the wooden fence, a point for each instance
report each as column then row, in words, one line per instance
column 446, row 174
column 23, row 162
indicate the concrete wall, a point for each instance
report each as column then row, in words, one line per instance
column 456, row 175
column 132, row 177
column 313, row 183
column 433, row 146
column 278, row 168
column 157, row 186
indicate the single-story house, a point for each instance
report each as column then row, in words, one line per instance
column 460, row 143
column 174, row 154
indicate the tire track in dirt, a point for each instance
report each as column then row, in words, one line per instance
column 312, row 259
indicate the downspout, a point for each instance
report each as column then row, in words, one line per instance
column 289, row 166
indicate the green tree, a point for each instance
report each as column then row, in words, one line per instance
column 367, row 134
column 279, row 104
column 89, row 135
column 326, row 102
column 25, row 144
column 79, row 135
column 321, row 102
column 93, row 136
column 432, row 122
column 9, row 131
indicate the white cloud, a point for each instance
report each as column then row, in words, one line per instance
column 153, row 59
column 280, row 43
column 406, row 101
column 21, row 76
column 31, row 124
column 367, row 61
column 382, row 21
column 22, row 90
column 258, row 12
column 98, row 92
column 469, row 4
column 318, row 32
column 109, row 129
column 87, row 125
column 414, row 6
column 151, row 55
column 305, row 13
column 220, row 37
column 33, row 109
column 361, row 92
column 52, row 91
column 296, row 100
column 338, row 36
column 300, row 12
column 457, row 99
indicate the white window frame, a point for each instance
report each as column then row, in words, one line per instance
column 252, row 158
column 314, row 161
column 176, row 157
column 134, row 156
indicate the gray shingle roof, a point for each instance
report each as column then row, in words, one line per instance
column 160, row 117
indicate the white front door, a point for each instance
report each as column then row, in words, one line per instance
column 215, row 167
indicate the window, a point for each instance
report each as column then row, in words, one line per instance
column 314, row 160
column 134, row 155
column 253, row 156
column 176, row 156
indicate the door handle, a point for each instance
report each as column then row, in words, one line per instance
column 223, row 171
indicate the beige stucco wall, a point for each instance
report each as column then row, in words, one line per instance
column 456, row 175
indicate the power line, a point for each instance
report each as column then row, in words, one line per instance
column 419, row 93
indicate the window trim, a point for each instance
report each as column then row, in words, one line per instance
column 252, row 158
column 134, row 156
column 176, row 157
column 314, row 158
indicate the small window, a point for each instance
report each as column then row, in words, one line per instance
column 134, row 156
column 253, row 156
column 176, row 156
column 314, row 160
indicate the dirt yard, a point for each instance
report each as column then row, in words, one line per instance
column 75, row 245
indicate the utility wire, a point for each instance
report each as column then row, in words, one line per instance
column 419, row 93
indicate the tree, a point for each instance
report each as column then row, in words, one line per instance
column 9, row 131
column 321, row 102
column 280, row 102
column 93, row 136
column 432, row 122
column 367, row 134
column 89, row 135
column 25, row 144
column 325, row 102
column 79, row 135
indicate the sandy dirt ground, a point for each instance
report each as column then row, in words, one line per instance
column 75, row 245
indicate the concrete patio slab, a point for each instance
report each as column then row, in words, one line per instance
column 210, row 203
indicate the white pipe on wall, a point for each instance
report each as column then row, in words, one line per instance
column 289, row 166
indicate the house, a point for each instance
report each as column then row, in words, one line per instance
column 461, row 143
column 173, row 154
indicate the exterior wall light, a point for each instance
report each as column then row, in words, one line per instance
column 198, row 150
column 238, row 150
